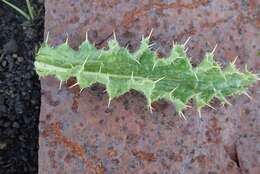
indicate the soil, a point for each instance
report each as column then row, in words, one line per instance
column 19, row 89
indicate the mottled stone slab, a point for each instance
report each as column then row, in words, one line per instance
column 248, row 148
column 79, row 134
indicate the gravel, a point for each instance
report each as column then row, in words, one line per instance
column 19, row 90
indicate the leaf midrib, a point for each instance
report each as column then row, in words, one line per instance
column 120, row 76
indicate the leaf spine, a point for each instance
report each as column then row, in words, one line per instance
column 182, row 115
column 214, row 49
column 186, row 42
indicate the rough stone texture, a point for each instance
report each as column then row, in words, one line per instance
column 248, row 149
column 79, row 134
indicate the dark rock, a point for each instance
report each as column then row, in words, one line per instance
column 248, row 153
column 16, row 125
column 10, row 47
column 2, row 108
column 3, row 145
column 4, row 63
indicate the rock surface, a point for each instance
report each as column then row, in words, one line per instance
column 79, row 134
column 248, row 152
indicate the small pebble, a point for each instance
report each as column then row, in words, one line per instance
column 16, row 125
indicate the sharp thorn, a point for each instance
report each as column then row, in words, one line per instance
column 213, row 51
column 127, row 45
column 114, row 34
column 47, row 37
column 85, row 61
column 67, row 38
column 132, row 76
column 74, row 85
column 173, row 90
column 188, row 106
column 182, row 115
column 199, row 112
column 101, row 53
column 150, row 34
column 60, row 85
column 196, row 76
column 186, row 42
column 83, row 65
column 109, row 102
column 86, row 39
column 245, row 93
column 100, row 68
column 137, row 61
column 150, row 46
column 173, row 44
column 226, row 101
column 143, row 38
column 150, row 108
column 82, row 89
column 246, row 68
column 154, row 65
column 156, row 81
column 234, row 61
column 222, row 98
column 211, row 106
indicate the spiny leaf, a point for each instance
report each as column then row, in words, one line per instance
column 173, row 78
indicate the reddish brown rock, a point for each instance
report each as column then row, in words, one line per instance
column 79, row 134
column 248, row 152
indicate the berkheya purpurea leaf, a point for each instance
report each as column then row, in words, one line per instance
column 172, row 78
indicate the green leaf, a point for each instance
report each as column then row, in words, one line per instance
column 173, row 78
